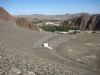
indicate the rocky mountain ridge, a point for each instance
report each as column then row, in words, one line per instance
column 84, row 22
column 51, row 17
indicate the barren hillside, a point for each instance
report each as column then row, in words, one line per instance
column 26, row 24
column 84, row 22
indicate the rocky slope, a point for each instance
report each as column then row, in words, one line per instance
column 5, row 16
column 26, row 24
column 12, row 63
column 84, row 22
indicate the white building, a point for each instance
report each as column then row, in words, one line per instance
column 48, row 23
column 46, row 45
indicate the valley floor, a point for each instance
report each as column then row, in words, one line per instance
column 72, row 55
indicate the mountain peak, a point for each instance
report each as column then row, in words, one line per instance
column 5, row 16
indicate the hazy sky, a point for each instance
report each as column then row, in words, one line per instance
column 16, row 7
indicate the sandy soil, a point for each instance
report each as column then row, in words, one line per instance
column 85, row 49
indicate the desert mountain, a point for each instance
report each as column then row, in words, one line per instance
column 26, row 24
column 84, row 22
column 5, row 16
column 51, row 17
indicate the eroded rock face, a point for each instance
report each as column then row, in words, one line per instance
column 26, row 24
column 94, row 23
column 84, row 22
column 5, row 16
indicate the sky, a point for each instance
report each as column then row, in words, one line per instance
column 50, row 7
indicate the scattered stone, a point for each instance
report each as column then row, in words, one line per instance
column 15, row 70
column 31, row 73
column 13, row 64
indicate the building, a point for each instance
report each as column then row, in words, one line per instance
column 46, row 45
column 49, row 23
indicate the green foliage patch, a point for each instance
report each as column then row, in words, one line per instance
column 58, row 28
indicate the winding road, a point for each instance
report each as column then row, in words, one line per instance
column 40, row 42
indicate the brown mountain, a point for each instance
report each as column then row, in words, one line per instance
column 5, row 16
column 94, row 23
column 84, row 22
column 26, row 24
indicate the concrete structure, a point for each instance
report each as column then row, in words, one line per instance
column 46, row 45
